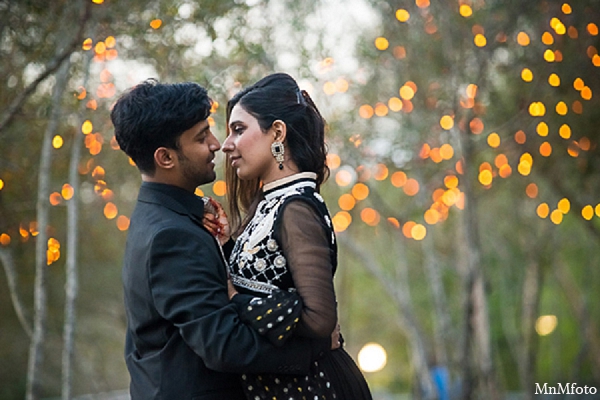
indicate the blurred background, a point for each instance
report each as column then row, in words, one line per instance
column 464, row 188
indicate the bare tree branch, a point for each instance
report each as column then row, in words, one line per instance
column 11, row 276
column 51, row 67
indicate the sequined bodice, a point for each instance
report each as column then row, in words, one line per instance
column 257, row 263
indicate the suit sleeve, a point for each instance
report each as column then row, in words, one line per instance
column 188, row 284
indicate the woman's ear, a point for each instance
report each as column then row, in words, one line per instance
column 279, row 130
column 164, row 158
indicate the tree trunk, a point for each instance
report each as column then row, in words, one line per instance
column 399, row 292
column 72, row 280
column 36, row 354
column 531, row 300
column 477, row 350
column 11, row 277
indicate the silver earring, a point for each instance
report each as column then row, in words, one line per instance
column 278, row 151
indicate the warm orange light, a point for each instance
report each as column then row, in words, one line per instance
column 465, row 10
column 480, row 40
column 370, row 216
column 425, row 151
column 584, row 144
column 411, row 187
column 546, row 149
column 564, row 205
column 382, row 43
column 57, row 142
column 485, row 177
column 565, row 131
column 418, row 232
column 578, row 84
column 476, row 126
column 98, row 173
column 110, row 210
column 87, row 44
column 341, row 221
column 395, row 104
column 122, row 223
column 431, row 216
column 394, row 222
column 341, row 85
column 381, row 110
column 520, row 137
column 543, row 210
column 493, row 140
column 566, row 8
column 531, row 190
column 333, row 161
column 4, row 239
column 398, row 179
column 360, row 191
column 596, row 60
column 500, row 160
column 592, row 29
column 399, row 52
column 55, row 198
column 67, row 191
column 407, row 229
column 402, row 15
column 586, row 93
column 422, row 3
column 471, row 90
column 435, row 155
column 1, row 184
column 381, row 172
column 459, row 167
column 100, row 48
column 447, row 122
column 523, row 39
column 446, row 151
column 366, row 111
column 549, row 56
column 155, row 23
column 542, row 129
column 505, row 171
column 346, row 202
column 554, row 80
column 587, row 213
column 561, row 108
column 526, row 75
column 407, row 92
column 556, row 217
column 87, row 127
column 537, row 109
column 547, row 38
column 220, row 188
column 451, row 181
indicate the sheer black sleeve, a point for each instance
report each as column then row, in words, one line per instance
column 305, row 244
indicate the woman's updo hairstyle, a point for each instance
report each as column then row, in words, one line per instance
column 278, row 97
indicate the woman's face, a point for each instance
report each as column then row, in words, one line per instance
column 248, row 148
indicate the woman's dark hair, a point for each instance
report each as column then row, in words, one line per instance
column 153, row 115
column 278, row 97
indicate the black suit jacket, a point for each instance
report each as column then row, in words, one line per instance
column 184, row 338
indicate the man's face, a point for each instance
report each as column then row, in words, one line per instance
column 196, row 154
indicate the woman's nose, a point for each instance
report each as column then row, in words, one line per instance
column 227, row 145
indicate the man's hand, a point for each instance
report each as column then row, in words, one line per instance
column 335, row 338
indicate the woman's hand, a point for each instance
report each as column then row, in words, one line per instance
column 215, row 220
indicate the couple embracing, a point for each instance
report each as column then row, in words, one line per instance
column 210, row 317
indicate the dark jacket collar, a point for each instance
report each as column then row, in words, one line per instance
column 174, row 198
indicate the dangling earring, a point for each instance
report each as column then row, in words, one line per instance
column 278, row 151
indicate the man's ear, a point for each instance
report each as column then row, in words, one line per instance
column 279, row 129
column 164, row 158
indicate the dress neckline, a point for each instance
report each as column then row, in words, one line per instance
column 273, row 189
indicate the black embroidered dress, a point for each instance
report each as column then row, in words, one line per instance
column 288, row 251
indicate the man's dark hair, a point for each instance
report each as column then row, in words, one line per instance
column 152, row 115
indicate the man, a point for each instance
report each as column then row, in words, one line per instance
column 184, row 338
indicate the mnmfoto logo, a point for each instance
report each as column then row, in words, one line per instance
column 567, row 388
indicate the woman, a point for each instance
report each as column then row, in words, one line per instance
column 285, row 243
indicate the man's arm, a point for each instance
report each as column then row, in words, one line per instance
column 188, row 283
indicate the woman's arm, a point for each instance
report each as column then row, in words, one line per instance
column 305, row 244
